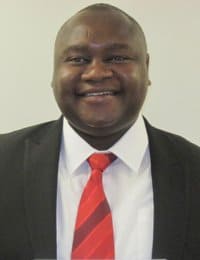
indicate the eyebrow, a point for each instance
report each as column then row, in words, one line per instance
column 76, row 48
column 118, row 46
column 85, row 47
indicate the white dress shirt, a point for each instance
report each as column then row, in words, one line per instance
column 128, row 187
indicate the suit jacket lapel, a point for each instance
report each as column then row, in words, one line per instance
column 170, row 197
column 40, row 172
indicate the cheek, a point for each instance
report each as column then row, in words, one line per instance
column 61, row 85
column 135, row 77
column 129, row 82
column 65, row 84
column 66, row 76
column 128, row 73
column 135, row 86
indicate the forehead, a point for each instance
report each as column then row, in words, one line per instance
column 97, row 27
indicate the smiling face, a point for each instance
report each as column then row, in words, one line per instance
column 101, row 72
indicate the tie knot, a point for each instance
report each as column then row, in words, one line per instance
column 100, row 161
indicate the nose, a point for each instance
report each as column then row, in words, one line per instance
column 97, row 71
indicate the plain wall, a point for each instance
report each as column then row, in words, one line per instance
column 28, row 29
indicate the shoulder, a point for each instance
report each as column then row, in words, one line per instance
column 17, row 138
column 174, row 144
column 14, row 146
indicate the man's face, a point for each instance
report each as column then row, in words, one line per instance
column 101, row 72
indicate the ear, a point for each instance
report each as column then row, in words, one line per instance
column 147, row 64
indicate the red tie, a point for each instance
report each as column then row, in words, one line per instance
column 93, row 235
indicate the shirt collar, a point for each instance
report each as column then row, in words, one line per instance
column 130, row 148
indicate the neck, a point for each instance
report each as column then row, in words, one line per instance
column 100, row 142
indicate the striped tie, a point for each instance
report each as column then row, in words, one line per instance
column 93, row 235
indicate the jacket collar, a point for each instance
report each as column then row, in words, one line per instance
column 40, row 176
column 170, row 187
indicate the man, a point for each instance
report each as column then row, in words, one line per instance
column 100, row 82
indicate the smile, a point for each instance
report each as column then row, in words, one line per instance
column 98, row 93
column 103, row 93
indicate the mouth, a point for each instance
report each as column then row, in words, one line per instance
column 103, row 93
column 98, row 93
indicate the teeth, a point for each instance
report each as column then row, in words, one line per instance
column 103, row 93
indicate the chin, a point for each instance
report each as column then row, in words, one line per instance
column 101, row 124
column 95, row 128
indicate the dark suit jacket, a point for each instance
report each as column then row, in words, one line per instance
column 28, row 181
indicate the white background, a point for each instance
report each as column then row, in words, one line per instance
column 27, row 33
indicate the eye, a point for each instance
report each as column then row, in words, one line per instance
column 118, row 59
column 79, row 60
